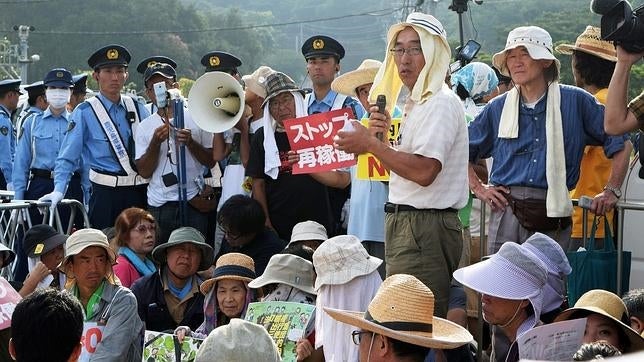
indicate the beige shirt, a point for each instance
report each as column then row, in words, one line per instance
column 177, row 307
column 435, row 129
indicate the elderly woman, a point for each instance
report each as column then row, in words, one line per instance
column 606, row 319
column 106, row 305
column 227, row 294
column 134, row 240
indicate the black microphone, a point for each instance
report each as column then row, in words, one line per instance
column 601, row 7
column 381, row 102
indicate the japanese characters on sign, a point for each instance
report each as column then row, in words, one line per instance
column 8, row 300
column 312, row 138
column 369, row 167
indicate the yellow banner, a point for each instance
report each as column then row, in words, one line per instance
column 369, row 167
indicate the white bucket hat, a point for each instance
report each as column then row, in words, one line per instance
column 308, row 230
column 239, row 341
column 256, row 81
column 83, row 239
column 535, row 39
column 341, row 259
column 287, row 269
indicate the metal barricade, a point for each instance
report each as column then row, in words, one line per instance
column 622, row 206
column 15, row 220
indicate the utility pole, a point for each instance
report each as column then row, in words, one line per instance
column 23, row 59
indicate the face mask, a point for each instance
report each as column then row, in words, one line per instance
column 58, row 98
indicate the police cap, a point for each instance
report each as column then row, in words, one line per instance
column 59, row 77
column 35, row 89
column 10, row 85
column 80, row 83
column 320, row 46
column 112, row 54
column 150, row 61
column 220, row 62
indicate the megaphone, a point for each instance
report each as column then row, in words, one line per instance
column 216, row 102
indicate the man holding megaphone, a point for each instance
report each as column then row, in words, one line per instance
column 156, row 157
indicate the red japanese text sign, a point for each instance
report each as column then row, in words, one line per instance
column 312, row 138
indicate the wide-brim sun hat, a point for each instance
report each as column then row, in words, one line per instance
column 234, row 266
column 610, row 306
column 83, row 239
column 537, row 42
column 183, row 235
column 340, row 259
column 364, row 74
column 287, row 269
column 512, row 273
column 403, row 309
column 591, row 42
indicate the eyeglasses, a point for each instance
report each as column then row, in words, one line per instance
column 145, row 228
column 399, row 52
column 356, row 336
column 275, row 104
column 230, row 234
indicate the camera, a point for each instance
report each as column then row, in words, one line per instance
column 464, row 55
column 621, row 24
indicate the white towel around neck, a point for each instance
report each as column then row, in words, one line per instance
column 558, row 203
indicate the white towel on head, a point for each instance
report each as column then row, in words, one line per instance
column 558, row 203
column 272, row 160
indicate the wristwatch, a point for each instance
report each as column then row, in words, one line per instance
column 614, row 190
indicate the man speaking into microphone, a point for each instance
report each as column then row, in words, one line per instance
column 428, row 164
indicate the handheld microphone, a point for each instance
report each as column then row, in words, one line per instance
column 381, row 103
column 601, row 7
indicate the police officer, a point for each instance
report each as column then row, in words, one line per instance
column 323, row 54
column 102, row 132
column 9, row 94
column 39, row 143
column 36, row 102
column 147, row 63
column 217, row 61
column 78, row 92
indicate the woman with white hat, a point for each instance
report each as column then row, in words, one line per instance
column 227, row 294
column 106, row 305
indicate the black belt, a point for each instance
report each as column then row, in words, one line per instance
column 391, row 208
column 38, row 172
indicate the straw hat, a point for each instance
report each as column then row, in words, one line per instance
column 235, row 266
column 535, row 39
column 610, row 306
column 82, row 239
column 308, row 230
column 591, row 42
column 403, row 309
column 184, row 235
column 365, row 74
column 240, row 341
column 341, row 259
column 287, row 269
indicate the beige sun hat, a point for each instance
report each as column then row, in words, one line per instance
column 308, row 230
column 183, row 235
column 610, row 306
column 235, row 266
column 239, row 341
column 591, row 42
column 342, row 259
column 83, row 239
column 256, row 81
column 536, row 40
column 365, row 74
column 403, row 309
column 287, row 269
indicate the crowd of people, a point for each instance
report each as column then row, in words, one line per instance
column 386, row 264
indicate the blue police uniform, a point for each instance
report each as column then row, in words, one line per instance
column 112, row 188
column 7, row 134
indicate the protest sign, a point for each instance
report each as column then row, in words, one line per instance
column 8, row 300
column 286, row 322
column 164, row 347
column 312, row 138
column 369, row 167
column 92, row 336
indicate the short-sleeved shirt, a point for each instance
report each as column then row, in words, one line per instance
column 637, row 107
